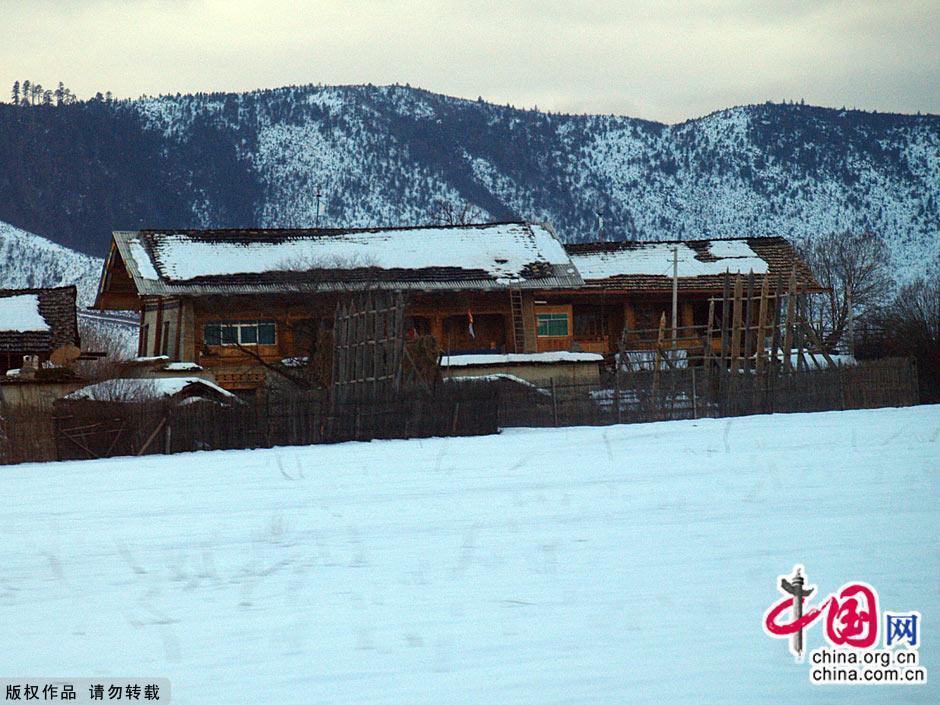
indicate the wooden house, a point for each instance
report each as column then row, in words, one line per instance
column 229, row 300
column 232, row 301
column 628, row 286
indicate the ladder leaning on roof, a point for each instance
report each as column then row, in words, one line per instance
column 518, row 319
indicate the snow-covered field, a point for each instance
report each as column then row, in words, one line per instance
column 589, row 565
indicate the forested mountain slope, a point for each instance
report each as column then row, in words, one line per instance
column 27, row 261
column 387, row 155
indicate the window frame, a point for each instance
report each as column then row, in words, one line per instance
column 224, row 339
column 165, row 340
column 552, row 317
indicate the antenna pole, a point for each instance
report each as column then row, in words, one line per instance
column 675, row 294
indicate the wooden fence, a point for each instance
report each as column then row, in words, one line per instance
column 92, row 430
column 693, row 392
column 85, row 430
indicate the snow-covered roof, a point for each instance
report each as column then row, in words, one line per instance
column 182, row 367
column 20, row 313
column 657, row 259
column 699, row 263
column 496, row 377
column 482, row 256
column 37, row 320
column 518, row 359
column 145, row 389
column 149, row 359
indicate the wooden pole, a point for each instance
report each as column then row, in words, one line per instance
column 775, row 363
column 815, row 340
column 725, row 313
column 798, row 334
column 675, row 295
column 736, row 326
column 762, row 325
column 790, row 322
column 749, row 320
column 658, row 353
column 554, row 404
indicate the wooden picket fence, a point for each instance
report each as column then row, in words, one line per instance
column 86, row 430
column 93, row 430
column 696, row 392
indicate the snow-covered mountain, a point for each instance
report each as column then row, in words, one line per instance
column 27, row 260
column 387, row 155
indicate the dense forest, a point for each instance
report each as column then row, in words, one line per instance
column 73, row 170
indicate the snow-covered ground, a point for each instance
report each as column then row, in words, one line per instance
column 584, row 565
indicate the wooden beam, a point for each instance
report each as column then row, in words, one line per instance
column 749, row 320
column 725, row 320
column 775, row 363
column 790, row 322
column 736, row 325
column 762, row 324
column 708, row 333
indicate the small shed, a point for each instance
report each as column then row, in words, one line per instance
column 131, row 416
column 176, row 390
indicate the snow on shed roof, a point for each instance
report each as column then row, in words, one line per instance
column 20, row 313
column 701, row 263
column 484, row 359
column 138, row 389
column 482, row 256
column 37, row 320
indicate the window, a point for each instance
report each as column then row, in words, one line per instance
column 144, row 340
column 590, row 326
column 239, row 333
column 165, row 341
column 552, row 325
column 648, row 318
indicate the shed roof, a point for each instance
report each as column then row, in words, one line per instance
column 36, row 321
column 461, row 257
column 701, row 263
column 142, row 389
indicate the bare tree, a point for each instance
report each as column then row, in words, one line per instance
column 445, row 212
column 914, row 314
column 118, row 342
column 855, row 268
column 910, row 327
column 306, row 262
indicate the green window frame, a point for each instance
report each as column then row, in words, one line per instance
column 552, row 325
column 240, row 333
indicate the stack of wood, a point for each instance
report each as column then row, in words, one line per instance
column 421, row 363
column 320, row 364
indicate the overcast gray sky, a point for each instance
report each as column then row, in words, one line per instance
column 664, row 60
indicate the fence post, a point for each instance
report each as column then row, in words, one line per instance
column 694, row 396
column 617, row 396
column 841, row 387
column 554, row 404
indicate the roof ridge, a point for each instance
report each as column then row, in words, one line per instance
column 327, row 231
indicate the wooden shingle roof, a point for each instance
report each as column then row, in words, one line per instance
column 647, row 266
column 56, row 309
column 463, row 257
